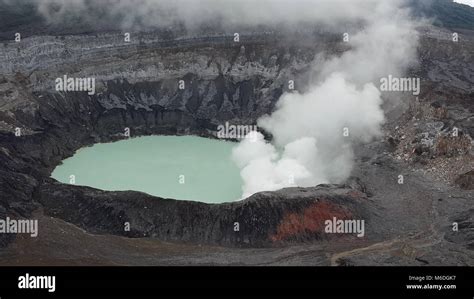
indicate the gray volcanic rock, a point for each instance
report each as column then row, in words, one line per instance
column 465, row 233
column 264, row 219
column 228, row 80
column 466, row 180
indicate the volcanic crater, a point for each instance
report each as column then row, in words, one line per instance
column 406, row 224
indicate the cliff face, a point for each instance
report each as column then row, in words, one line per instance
column 222, row 79
column 264, row 219
column 137, row 87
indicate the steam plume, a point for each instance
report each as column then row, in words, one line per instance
column 143, row 14
column 313, row 131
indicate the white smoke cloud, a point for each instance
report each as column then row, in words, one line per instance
column 161, row 13
column 309, row 128
column 309, row 146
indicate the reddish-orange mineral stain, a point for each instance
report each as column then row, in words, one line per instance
column 309, row 220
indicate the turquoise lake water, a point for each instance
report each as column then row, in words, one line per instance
column 179, row 167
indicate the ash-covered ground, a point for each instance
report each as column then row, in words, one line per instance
column 413, row 185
